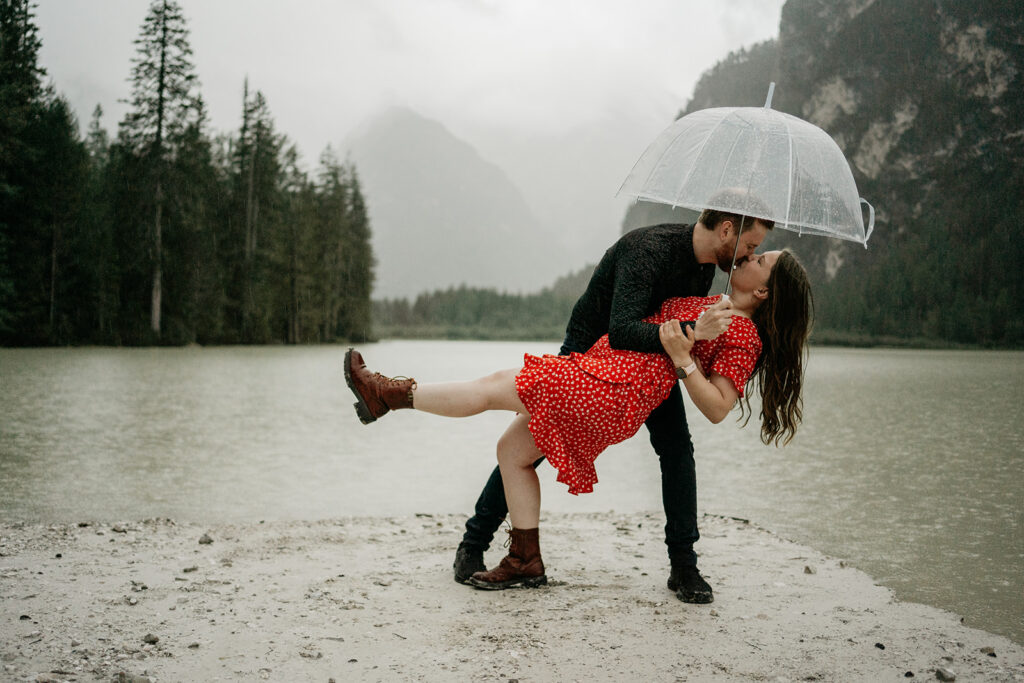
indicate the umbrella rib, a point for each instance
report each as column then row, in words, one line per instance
column 789, row 191
column 827, row 222
column 660, row 163
column 696, row 156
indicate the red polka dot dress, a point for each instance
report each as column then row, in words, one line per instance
column 582, row 403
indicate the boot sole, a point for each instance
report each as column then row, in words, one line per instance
column 532, row 582
column 362, row 410
column 701, row 598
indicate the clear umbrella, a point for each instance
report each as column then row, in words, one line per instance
column 757, row 162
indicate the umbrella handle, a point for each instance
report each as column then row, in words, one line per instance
column 871, row 221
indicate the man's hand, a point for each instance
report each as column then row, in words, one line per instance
column 677, row 342
column 714, row 321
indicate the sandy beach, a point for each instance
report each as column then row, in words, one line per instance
column 372, row 599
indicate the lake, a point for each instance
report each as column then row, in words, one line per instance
column 909, row 464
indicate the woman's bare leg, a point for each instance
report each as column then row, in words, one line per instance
column 516, row 454
column 516, row 449
column 462, row 399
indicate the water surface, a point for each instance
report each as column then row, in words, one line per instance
column 908, row 465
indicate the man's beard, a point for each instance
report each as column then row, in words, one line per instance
column 724, row 254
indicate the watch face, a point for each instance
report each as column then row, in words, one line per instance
column 681, row 373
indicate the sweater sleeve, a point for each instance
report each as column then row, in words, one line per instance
column 634, row 284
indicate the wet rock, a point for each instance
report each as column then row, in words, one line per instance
column 944, row 674
column 909, row 674
column 124, row 677
column 150, row 639
column 880, row 646
column 25, row 617
column 205, row 539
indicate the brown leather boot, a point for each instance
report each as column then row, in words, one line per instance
column 521, row 567
column 377, row 394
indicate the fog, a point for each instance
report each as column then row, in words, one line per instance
column 562, row 96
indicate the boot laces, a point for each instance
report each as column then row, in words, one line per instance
column 392, row 381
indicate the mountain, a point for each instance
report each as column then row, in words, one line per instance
column 443, row 216
column 925, row 99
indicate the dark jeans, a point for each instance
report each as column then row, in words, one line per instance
column 670, row 437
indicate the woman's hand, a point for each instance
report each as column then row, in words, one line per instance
column 715, row 320
column 677, row 342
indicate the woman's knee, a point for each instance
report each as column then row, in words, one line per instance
column 515, row 447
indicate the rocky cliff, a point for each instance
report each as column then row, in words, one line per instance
column 926, row 100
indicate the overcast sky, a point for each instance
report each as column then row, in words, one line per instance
column 326, row 65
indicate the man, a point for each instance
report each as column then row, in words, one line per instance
column 640, row 271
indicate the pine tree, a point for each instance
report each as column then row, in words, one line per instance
column 21, row 95
column 251, row 246
column 163, row 105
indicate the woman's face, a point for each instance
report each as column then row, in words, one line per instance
column 753, row 274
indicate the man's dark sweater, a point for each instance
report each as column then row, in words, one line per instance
column 635, row 276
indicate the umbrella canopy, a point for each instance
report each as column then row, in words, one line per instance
column 758, row 162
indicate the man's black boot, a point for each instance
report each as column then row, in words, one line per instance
column 689, row 585
column 468, row 561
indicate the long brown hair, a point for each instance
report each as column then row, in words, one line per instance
column 783, row 323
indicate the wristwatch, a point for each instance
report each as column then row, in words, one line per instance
column 683, row 373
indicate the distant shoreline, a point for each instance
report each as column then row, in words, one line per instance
column 823, row 339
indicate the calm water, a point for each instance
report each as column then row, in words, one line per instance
column 909, row 464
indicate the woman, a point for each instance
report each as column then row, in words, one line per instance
column 580, row 404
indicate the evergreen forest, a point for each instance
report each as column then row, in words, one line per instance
column 167, row 233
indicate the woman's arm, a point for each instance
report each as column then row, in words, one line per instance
column 714, row 397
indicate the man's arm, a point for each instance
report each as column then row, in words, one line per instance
column 634, row 284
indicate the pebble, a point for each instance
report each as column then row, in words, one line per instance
column 991, row 652
column 205, row 539
column 944, row 674
column 809, row 570
column 151, row 639
column 123, row 677
column 47, row 678
column 119, row 528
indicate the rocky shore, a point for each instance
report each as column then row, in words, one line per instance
column 372, row 599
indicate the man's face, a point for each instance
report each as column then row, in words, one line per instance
column 750, row 240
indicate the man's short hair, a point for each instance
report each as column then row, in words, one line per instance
column 712, row 217
column 754, row 208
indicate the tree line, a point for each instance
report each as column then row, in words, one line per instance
column 167, row 233
column 477, row 313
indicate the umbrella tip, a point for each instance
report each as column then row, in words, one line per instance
column 771, row 91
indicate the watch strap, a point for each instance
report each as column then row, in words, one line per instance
column 683, row 373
